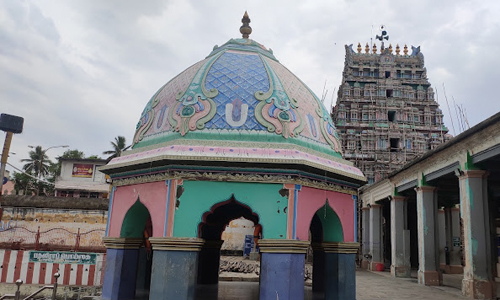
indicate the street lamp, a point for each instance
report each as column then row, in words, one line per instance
column 41, row 163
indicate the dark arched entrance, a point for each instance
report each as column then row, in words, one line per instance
column 325, row 227
column 137, row 224
column 210, row 229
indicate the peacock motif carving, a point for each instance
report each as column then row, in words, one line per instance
column 276, row 110
column 194, row 107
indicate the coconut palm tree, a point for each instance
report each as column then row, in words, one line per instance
column 119, row 145
column 38, row 164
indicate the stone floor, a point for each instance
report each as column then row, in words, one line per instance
column 369, row 286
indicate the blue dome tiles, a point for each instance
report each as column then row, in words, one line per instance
column 237, row 76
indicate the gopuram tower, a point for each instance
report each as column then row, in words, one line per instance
column 386, row 113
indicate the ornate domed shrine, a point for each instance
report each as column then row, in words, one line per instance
column 234, row 135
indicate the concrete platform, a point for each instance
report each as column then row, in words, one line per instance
column 370, row 285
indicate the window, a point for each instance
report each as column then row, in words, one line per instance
column 394, row 145
column 365, row 116
column 416, row 118
column 408, row 144
column 354, row 115
column 367, row 93
column 387, row 74
column 84, row 194
column 381, row 143
column 346, row 92
column 94, row 195
column 351, row 145
column 391, row 116
column 388, row 93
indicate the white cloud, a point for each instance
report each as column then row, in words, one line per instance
column 80, row 73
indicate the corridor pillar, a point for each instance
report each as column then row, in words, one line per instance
column 340, row 270
column 428, row 272
column 174, row 272
column 282, row 269
column 478, row 282
column 400, row 239
column 121, row 268
column 376, row 242
column 442, row 239
column 365, row 246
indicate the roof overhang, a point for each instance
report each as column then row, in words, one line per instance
column 237, row 158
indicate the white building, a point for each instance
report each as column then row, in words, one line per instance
column 80, row 178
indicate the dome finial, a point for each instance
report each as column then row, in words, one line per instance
column 245, row 29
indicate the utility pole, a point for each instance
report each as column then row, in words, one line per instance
column 10, row 124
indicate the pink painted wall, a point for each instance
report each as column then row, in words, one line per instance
column 311, row 199
column 153, row 195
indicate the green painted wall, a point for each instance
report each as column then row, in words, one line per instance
column 332, row 228
column 262, row 198
column 135, row 221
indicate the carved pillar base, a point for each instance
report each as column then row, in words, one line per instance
column 340, row 270
column 175, row 264
column 282, row 269
column 479, row 289
column 121, row 268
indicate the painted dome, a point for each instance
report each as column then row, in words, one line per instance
column 238, row 104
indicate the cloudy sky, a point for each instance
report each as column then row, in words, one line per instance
column 80, row 72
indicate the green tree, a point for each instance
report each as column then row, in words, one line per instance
column 119, row 145
column 55, row 169
column 38, row 162
column 73, row 154
column 94, row 157
column 25, row 183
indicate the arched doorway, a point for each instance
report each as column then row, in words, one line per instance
column 211, row 228
column 137, row 224
column 325, row 228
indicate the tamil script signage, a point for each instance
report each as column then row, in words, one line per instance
column 82, row 170
column 63, row 257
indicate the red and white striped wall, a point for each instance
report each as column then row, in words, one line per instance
column 15, row 264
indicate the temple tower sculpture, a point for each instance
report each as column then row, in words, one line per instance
column 386, row 112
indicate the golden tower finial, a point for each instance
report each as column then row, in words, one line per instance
column 374, row 48
column 245, row 29
column 405, row 50
column 359, row 47
column 397, row 49
column 390, row 48
column 367, row 48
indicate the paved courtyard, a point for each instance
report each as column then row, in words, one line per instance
column 369, row 286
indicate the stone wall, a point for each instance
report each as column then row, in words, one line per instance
column 52, row 223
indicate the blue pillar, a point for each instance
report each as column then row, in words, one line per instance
column 175, row 263
column 318, row 280
column 340, row 270
column 282, row 269
column 121, row 268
